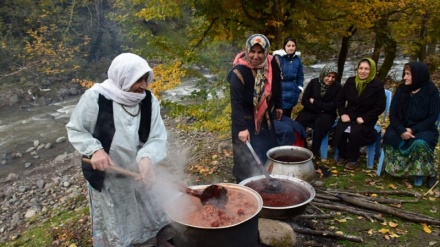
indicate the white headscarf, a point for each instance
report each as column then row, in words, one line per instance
column 124, row 71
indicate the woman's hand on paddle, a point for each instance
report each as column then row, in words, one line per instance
column 101, row 160
column 146, row 170
column 244, row 136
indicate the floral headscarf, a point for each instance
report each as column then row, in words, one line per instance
column 327, row 69
column 361, row 84
column 263, row 78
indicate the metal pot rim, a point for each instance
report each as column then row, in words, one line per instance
column 303, row 183
column 228, row 186
column 305, row 150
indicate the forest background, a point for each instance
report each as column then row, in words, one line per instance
column 70, row 41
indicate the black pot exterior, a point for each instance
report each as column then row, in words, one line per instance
column 281, row 214
column 243, row 235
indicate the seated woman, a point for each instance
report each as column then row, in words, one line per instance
column 412, row 135
column 360, row 102
column 319, row 107
column 289, row 132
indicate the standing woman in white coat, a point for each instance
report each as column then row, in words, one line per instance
column 118, row 123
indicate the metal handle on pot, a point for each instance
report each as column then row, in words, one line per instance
column 266, row 173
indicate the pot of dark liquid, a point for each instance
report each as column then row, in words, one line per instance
column 290, row 202
column 291, row 161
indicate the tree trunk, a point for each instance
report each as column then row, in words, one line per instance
column 390, row 55
column 432, row 47
column 377, row 48
column 344, row 51
column 421, row 54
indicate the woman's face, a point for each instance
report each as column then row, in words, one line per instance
column 140, row 85
column 329, row 79
column 364, row 70
column 407, row 77
column 290, row 47
column 256, row 55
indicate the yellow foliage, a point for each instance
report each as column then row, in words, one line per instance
column 47, row 48
column 167, row 76
column 83, row 82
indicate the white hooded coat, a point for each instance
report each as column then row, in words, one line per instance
column 125, row 212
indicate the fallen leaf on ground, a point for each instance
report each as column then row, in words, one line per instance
column 426, row 228
column 392, row 224
column 384, row 231
column 392, row 186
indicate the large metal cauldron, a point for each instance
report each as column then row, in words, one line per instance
column 289, row 211
column 242, row 234
column 291, row 161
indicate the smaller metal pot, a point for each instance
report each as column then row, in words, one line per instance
column 288, row 211
column 291, row 161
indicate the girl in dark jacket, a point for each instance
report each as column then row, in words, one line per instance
column 319, row 107
column 412, row 135
column 255, row 84
column 293, row 75
column 360, row 102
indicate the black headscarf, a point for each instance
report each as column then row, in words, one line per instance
column 420, row 78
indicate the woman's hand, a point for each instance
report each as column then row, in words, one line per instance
column 244, row 136
column 146, row 170
column 101, row 160
column 345, row 118
column 279, row 113
column 360, row 120
column 406, row 135
column 311, row 100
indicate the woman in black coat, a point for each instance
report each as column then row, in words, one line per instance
column 412, row 135
column 319, row 106
column 255, row 85
column 360, row 102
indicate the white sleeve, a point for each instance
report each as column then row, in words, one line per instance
column 155, row 148
column 82, row 124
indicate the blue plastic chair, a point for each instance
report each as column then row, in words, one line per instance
column 324, row 144
column 374, row 148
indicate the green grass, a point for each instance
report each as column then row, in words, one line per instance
column 363, row 179
column 64, row 228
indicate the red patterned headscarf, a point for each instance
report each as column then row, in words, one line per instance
column 263, row 78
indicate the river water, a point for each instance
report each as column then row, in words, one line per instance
column 20, row 127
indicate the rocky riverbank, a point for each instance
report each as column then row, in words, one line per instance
column 57, row 178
